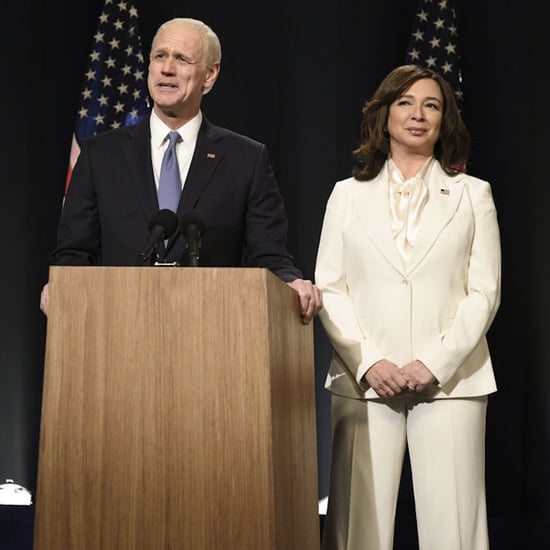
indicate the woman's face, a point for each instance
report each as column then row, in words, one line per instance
column 414, row 119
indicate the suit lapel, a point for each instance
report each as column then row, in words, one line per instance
column 445, row 195
column 375, row 216
column 208, row 153
column 137, row 153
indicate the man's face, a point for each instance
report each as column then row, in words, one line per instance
column 178, row 74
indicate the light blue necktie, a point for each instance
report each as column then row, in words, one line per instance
column 170, row 182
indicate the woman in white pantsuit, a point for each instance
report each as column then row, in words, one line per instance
column 409, row 267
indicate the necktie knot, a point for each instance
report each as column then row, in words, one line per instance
column 174, row 139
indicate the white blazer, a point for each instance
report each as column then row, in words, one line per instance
column 437, row 309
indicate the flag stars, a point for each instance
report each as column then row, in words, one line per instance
column 114, row 92
column 450, row 48
column 431, row 62
column 422, row 16
column 433, row 44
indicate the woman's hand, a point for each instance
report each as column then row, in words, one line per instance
column 386, row 379
column 417, row 376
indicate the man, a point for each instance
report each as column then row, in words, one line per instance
column 227, row 177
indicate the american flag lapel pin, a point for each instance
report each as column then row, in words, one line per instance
column 211, row 155
column 444, row 191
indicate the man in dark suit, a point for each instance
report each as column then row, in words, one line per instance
column 227, row 177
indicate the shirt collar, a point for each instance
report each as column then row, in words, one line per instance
column 188, row 132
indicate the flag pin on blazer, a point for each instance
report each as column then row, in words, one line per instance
column 211, row 155
column 444, row 191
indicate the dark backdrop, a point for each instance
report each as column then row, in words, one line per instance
column 295, row 75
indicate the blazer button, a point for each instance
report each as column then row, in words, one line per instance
column 404, row 282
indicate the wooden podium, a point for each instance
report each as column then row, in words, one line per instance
column 178, row 413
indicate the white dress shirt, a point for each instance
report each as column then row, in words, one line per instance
column 184, row 150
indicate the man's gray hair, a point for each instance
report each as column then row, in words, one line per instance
column 211, row 43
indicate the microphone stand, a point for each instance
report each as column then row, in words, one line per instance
column 161, row 256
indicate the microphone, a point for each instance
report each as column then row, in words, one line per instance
column 192, row 227
column 162, row 226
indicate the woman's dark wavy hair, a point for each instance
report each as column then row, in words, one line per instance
column 452, row 148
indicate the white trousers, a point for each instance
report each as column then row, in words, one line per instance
column 446, row 442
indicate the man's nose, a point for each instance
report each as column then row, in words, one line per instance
column 168, row 65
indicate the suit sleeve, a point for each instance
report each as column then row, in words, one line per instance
column 476, row 311
column 78, row 235
column 266, row 223
column 338, row 315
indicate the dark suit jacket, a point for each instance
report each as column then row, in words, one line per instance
column 112, row 198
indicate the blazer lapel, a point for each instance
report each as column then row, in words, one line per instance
column 208, row 153
column 445, row 195
column 376, row 217
column 137, row 153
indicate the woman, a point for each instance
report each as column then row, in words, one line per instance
column 409, row 268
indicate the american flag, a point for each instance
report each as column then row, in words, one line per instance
column 114, row 92
column 434, row 42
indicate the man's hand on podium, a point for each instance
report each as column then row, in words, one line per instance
column 311, row 300
column 45, row 299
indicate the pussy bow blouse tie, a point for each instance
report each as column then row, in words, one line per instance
column 407, row 200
